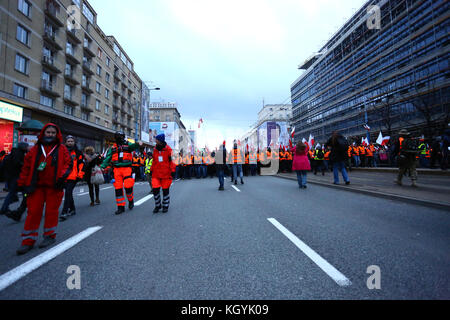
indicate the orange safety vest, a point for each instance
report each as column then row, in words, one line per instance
column 78, row 164
column 289, row 156
column 252, row 158
column 369, row 152
column 237, row 156
column 123, row 151
column 246, row 159
column 362, row 150
column 327, row 155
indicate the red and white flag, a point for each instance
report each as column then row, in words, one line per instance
column 200, row 122
column 383, row 140
column 293, row 133
column 311, row 141
column 366, row 126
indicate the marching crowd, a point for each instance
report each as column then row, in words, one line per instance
column 50, row 170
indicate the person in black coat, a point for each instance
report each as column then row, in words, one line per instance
column 92, row 159
column 12, row 165
column 221, row 162
column 338, row 156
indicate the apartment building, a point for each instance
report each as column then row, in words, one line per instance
column 57, row 65
column 387, row 66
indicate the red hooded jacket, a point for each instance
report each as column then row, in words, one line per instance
column 163, row 169
column 59, row 164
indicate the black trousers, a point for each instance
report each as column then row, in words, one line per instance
column 69, row 204
column 91, row 191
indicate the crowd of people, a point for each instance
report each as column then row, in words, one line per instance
column 50, row 170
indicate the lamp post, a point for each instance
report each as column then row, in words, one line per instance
column 366, row 118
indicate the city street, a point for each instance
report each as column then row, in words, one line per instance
column 264, row 240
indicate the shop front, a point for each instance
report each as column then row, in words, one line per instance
column 11, row 117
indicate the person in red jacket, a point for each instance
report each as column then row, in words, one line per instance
column 163, row 170
column 46, row 168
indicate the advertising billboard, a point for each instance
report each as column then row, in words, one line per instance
column 273, row 133
column 170, row 130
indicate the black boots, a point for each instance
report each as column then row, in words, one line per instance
column 24, row 249
column 157, row 209
column 48, row 241
column 131, row 205
column 120, row 210
column 165, row 209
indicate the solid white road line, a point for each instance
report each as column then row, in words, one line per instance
column 21, row 271
column 236, row 189
column 331, row 271
column 143, row 200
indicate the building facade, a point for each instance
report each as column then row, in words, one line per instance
column 58, row 66
column 387, row 67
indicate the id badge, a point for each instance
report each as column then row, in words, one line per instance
column 42, row 166
column 121, row 155
column 160, row 159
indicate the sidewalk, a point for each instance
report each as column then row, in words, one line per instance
column 433, row 190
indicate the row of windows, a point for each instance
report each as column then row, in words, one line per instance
column 383, row 40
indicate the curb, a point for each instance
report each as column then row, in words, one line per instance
column 430, row 172
column 390, row 196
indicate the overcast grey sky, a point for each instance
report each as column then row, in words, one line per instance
column 219, row 59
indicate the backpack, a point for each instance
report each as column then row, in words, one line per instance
column 320, row 154
column 410, row 146
column 341, row 145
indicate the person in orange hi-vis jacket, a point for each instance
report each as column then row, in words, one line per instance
column 76, row 175
column 163, row 171
column 121, row 158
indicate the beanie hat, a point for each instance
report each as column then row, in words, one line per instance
column 161, row 137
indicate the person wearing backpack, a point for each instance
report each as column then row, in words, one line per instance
column 319, row 156
column 339, row 155
column 407, row 150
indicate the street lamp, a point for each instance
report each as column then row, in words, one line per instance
column 366, row 118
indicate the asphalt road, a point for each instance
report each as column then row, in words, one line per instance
column 227, row 246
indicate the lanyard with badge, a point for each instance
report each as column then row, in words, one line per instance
column 43, row 164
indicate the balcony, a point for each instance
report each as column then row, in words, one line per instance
column 48, row 87
column 68, row 75
column 50, row 37
column 49, row 63
column 87, row 67
column 116, row 75
column 85, row 107
column 116, row 120
column 86, row 87
column 73, row 35
column 116, row 90
column 116, row 106
column 87, row 47
column 68, row 99
column 52, row 11
column 70, row 56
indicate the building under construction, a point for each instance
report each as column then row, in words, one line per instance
column 387, row 67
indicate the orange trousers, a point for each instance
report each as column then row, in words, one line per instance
column 123, row 178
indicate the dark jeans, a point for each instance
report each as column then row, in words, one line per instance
column 221, row 176
column 12, row 193
column 340, row 167
column 301, row 178
column 69, row 204
column 91, row 191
